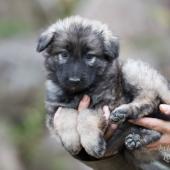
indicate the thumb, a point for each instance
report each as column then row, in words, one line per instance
column 84, row 103
column 164, row 108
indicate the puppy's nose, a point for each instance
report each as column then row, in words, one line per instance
column 74, row 79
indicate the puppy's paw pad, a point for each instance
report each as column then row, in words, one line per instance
column 133, row 141
column 118, row 116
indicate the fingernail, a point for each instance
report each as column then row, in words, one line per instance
column 85, row 98
column 105, row 108
column 165, row 108
column 106, row 112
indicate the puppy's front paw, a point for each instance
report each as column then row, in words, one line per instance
column 65, row 125
column 94, row 144
column 120, row 114
column 90, row 126
column 71, row 142
column 140, row 137
column 133, row 141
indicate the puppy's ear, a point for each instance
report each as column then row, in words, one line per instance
column 112, row 48
column 44, row 40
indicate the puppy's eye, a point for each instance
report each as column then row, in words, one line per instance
column 62, row 57
column 90, row 59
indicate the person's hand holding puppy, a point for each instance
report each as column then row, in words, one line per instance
column 158, row 125
column 150, row 123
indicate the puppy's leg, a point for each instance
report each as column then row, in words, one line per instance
column 142, row 105
column 139, row 137
column 90, row 127
column 148, row 88
column 65, row 126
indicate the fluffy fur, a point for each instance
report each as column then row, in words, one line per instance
column 81, row 57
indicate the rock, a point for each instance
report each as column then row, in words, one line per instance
column 21, row 75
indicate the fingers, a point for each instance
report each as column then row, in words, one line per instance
column 164, row 108
column 84, row 103
column 158, row 125
column 164, row 141
column 153, row 146
column 106, row 112
column 153, row 123
column 110, row 127
column 109, row 131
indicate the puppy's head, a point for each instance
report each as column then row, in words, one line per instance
column 78, row 52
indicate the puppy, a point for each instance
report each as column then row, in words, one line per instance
column 81, row 57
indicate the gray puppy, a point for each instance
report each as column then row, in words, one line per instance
column 81, row 57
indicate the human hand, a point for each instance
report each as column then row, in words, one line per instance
column 158, row 125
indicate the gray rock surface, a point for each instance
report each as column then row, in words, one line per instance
column 21, row 74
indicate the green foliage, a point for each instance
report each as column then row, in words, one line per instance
column 29, row 132
column 10, row 28
column 68, row 7
column 58, row 164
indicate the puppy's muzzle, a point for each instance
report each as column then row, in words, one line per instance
column 74, row 82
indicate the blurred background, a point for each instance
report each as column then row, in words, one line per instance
column 143, row 28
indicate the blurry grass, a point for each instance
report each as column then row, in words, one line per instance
column 68, row 7
column 59, row 164
column 10, row 28
column 28, row 136
column 29, row 132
